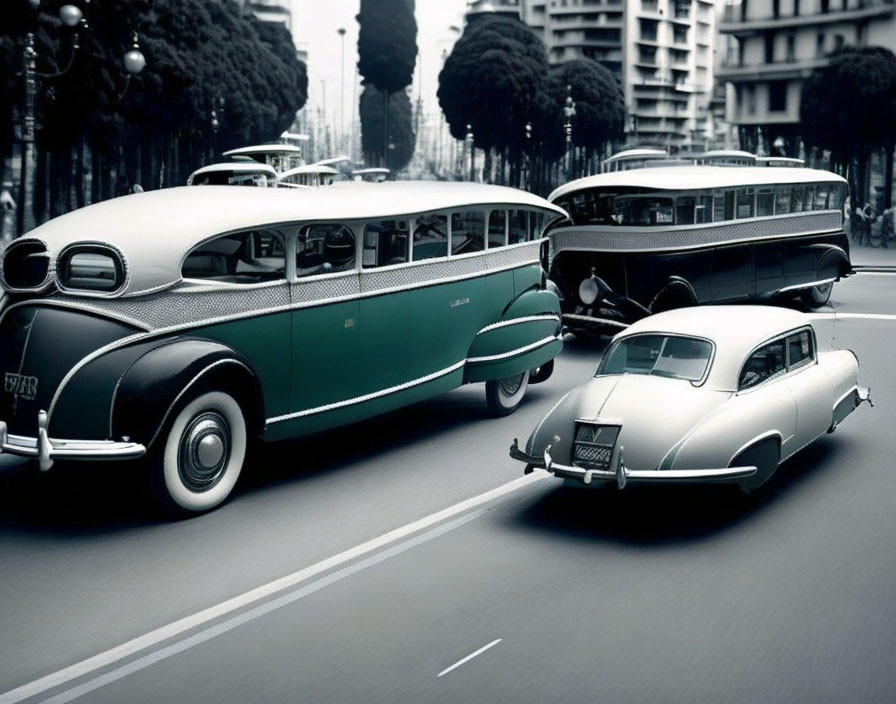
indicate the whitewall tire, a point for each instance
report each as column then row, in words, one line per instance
column 504, row 395
column 203, row 454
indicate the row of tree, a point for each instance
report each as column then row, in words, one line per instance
column 497, row 83
column 848, row 108
column 215, row 78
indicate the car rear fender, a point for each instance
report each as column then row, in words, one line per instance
column 153, row 386
column 740, row 421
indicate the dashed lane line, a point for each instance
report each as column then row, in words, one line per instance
column 469, row 657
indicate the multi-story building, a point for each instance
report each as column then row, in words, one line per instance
column 271, row 11
column 777, row 44
column 661, row 51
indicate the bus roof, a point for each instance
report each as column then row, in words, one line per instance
column 309, row 169
column 265, row 149
column 689, row 178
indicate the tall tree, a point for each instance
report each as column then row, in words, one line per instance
column 400, row 136
column 599, row 105
column 849, row 107
column 387, row 53
column 492, row 81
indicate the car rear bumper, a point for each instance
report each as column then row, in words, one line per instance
column 623, row 476
column 46, row 449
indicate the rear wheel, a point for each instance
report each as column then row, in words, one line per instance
column 818, row 296
column 765, row 456
column 201, row 454
column 504, row 395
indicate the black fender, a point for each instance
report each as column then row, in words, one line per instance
column 153, row 386
column 764, row 454
column 832, row 262
column 676, row 293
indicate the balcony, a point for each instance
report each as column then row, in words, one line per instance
column 780, row 70
column 733, row 24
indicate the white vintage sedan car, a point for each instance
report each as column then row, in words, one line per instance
column 703, row 394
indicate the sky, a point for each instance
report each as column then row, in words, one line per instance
column 315, row 28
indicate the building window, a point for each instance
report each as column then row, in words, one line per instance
column 777, row 96
column 825, row 6
column 791, row 45
column 796, row 8
column 839, row 41
column 769, row 47
column 819, row 45
column 776, row 8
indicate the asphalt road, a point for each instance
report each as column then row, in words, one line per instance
column 369, row 563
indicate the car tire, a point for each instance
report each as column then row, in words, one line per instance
column 504, row 395
column 765, row 456
column 817, row 296
column 200, row 455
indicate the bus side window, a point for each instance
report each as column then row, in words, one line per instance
column 809, row 200
column 729, row 205
column 796, row 202
column 703, row 209
column 519, row 226
column 385, row 243
column 684, row 210
column 430, row 237
column 718, row 212
column 821, row 197
column 782, row 200
column 537, row 224
column 744, row 203
column 765, row 202
column 323, row 248
column 467, row 232
column 497, row 228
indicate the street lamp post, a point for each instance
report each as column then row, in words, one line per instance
column 569, row 111
column 341, row 134
column 469, row 140
column 527, row 157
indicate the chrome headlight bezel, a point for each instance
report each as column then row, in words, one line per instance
column 588, row 290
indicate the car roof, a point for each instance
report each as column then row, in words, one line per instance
column 683, row 178
column 736, row 331
column 154, row 230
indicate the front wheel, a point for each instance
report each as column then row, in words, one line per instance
column 504, row 395
column 818, row 296
column 202, row 456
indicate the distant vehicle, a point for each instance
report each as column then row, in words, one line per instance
column 179, row 324
column 374, row 174
column 724, row 157
column 308, row 175
column 234, row 173
column 634, row 159
column 779, row 161
column 647, row 240
column 706, row 394
column 281, row 157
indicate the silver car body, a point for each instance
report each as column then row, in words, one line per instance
column 724, row 426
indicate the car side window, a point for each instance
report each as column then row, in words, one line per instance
column 322, row 248
column 248, row 257
column 762, row 365
column 799, row 350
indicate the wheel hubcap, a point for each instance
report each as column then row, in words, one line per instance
column 204, row 451
column 511, row 385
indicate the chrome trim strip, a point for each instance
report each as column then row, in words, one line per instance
column 516, row 352
column 669, row 476
column 592, row 319
column 518, row 321
column 808, row 284
column 368, row 397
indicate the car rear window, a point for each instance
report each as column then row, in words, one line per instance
column 671, row 356
column 90, row 268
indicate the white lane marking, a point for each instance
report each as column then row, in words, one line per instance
column 469, row 657
column 859, row 316
column 862, row 272
column 218, row 629
column 203, row 617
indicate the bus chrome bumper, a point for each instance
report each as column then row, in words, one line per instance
column 623, row 476
column 47, row 449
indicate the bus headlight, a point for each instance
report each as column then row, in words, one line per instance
column 588, row 290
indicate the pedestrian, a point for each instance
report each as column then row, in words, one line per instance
column 858, row 225
column 868, row 220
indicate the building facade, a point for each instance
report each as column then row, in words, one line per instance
column 661, row 52
column 776, row 46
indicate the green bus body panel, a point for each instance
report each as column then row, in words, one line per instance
column 467, row 305
column 366, row 409
column 265, row 341
column 428, row 320
column 485, row 371
column 527, row 277
column 326, row 359
column 383, row 359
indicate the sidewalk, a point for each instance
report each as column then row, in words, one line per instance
column 864, row 255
